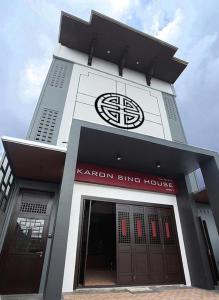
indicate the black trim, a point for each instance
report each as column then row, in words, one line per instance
column 91, row 52
column 151, row 70
column 209, row 250
column 122, row 60
column 79, row 241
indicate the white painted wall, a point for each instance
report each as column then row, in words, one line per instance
column 93, row 190
column 87, row 83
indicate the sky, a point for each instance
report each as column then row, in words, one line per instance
column 29, row 34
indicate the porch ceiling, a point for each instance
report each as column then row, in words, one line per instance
column 35, row 161
column 139, row 153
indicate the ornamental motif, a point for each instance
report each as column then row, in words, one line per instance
column 119, row 110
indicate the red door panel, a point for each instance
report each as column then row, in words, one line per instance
column 147, row 246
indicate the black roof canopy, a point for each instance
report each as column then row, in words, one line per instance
column 115, row 42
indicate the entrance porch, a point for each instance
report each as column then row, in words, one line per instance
column 139, row 153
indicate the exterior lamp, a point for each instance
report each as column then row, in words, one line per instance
column 158, row 164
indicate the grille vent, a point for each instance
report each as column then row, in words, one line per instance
column 167, row 229
column 154, row 231
column 57, row 78
column 171, row 108
column 46, row 126
column 36, row 208
column 124, row 228
column 139, row 228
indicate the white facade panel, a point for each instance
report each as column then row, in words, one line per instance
column 144, row 98
column 149, row 127
column 93, row 190
column 95, row 85
column 87, row 112
column 152, row 118
column 87, row 84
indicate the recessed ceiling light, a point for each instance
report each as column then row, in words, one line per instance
column 118, row 156
column 158, row 164
column 108, row 51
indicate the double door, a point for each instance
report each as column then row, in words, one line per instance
column 147, row 246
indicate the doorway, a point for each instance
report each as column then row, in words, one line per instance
column 23, row 253
column 98, row 264
column 128, row 244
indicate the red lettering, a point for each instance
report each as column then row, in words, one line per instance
column 123, row 178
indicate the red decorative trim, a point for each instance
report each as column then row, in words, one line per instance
column 167, row 229
column 139, row 228
column 122, row 178
column 154, row 229
column 124, row 227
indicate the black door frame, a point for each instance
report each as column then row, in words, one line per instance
column 209, row 250
column 35, row 186
column 116, row 201
column 83, row 229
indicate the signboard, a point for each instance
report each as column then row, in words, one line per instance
column 122, row 178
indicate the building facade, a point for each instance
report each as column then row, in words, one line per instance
column 100, row 193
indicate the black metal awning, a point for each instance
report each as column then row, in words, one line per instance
column 139, row 152
column 100, row 145
column 120, row 44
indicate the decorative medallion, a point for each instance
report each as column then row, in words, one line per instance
column 119, row 110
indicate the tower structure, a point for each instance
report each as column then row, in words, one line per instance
column 102, row 187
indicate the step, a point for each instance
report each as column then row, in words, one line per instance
column 130, row 289
column 22, row 297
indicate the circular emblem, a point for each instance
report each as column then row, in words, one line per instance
column 119, row 110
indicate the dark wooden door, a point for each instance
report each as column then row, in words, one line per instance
column 155, row 246
column 132, row 253
column 22, row 257
column 124, row 244
column 147, row 246
column 164, row 253
column 173, row 271
column 140, row 260
column 84, row 241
